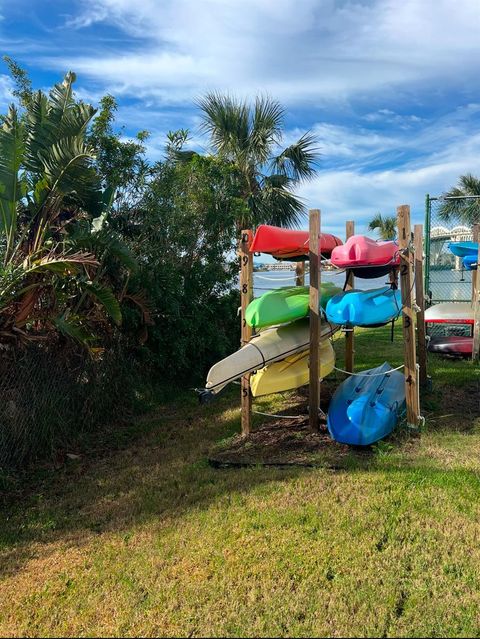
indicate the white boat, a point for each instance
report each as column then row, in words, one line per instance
column 450, row 313
column 271, row 345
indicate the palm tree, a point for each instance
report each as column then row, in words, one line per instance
column 465, row 209
column 54, row 252
column 250, row 138
column 386, row 226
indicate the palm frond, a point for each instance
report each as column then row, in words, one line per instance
column 106, row 244
column 139, row 298
column 299, row 160
column 62, row 263
column 466, row 210
column 107, row 299
column 39, row 136
column 67, row 170
column 66, row 116
column 74, row 329
column 386, row 226
column 266, row 128
column 276, row 204
column 12, row 188
column 226, row 121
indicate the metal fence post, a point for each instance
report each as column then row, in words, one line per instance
column 428, row 218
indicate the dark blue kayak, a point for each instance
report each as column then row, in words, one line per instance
column 470, row 262
column 462, row 249
column 364, row 308
column 366, row 407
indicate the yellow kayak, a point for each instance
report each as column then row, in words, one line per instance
column 291, row 372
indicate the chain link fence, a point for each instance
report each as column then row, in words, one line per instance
column 50, row 397
column 448, row 219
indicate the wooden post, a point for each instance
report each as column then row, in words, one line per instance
column 300, row 274
column 246, row 296
column 476, row 299
column 420, row 300
column 315, row 281
column 349, row 285
column 408, row 318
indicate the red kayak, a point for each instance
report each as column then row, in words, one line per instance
column 287, row 244
column 367, row 258
column 459, row 346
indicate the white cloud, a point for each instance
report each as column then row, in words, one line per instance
column 310, row 50
column 345, row 194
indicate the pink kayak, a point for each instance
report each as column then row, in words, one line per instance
column 289, row 243
column 366, row 257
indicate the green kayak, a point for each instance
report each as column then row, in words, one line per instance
column 285, row 305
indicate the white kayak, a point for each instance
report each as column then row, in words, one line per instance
column 450, row 313
column 271, row 345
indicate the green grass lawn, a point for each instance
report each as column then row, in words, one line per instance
column 148, row 539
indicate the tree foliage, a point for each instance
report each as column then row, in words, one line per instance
column 466, row 209
column 185, row 235
column 55, row 273
column 250, row 138
column 386, row 226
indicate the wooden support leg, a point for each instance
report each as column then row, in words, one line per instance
column 408, row 317
column 246, row 296
column 300, row 274
column 349, row 335
column 315, row 282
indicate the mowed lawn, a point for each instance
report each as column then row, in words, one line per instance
column 147, row 539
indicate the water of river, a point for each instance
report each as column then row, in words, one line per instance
column 266, row 281
column 444, row 285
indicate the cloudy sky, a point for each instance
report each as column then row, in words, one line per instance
column 390, row 86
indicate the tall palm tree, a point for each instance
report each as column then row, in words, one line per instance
column 250, row 137
column 466, row 210
column 386, row 226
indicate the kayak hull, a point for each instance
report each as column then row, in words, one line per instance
column 453, row 346
column 367, row 257
column 462, row 249
column 470, row 262
column 289, row 243
column 365, row 308
column 271, row 345
column 365, row 408
column 450, row 313
column 285, row 305
column 292, row 372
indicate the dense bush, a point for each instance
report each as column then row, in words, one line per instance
column 183, row 233
column 116, row 273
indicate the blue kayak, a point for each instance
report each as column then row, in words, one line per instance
column 462, row 249
column 364, row 308
column 470, row 262
column 366, row 407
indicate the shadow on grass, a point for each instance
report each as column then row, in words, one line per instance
column 163, row 474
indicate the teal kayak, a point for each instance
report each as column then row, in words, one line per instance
column 365, row 308
column 367, row 406
column 285, row 305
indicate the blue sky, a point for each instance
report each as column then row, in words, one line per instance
column 390, row 87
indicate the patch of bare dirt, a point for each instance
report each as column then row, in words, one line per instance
column 281, row 443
